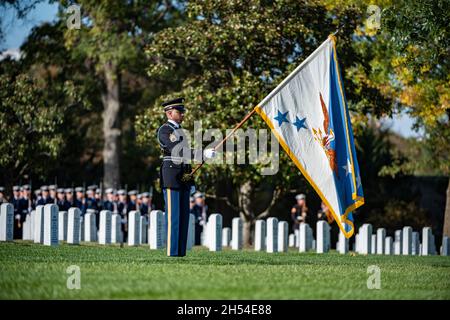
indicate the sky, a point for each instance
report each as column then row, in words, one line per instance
column 18, row 30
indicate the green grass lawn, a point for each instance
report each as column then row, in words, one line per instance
column 29, row 271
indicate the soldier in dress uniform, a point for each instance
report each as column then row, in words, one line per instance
column 110, row 203
column 70, row 199
column 80, row 201
column 52, row 190
column 132, row 203
column 98, row 199
column 45, row 196
column 26, row 195
column 20, row 211
column 146, row 205
column 122, row 210
column 175, row 181
column 61, row 202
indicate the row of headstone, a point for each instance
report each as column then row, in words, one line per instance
column 405, row 242
column 47, row 226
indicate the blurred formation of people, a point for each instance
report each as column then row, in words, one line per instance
column 299, row 212
column 119, row 201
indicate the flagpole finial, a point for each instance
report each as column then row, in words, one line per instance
column 337, row 30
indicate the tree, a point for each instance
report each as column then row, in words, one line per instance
column 237, row 52
column 112, row 39
column 418, row 37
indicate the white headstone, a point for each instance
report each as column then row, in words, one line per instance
column 73, row 226
column 105, row 227
column 373, row 244
column 116, row 228
column 445, row 246
column 297, row 237
column 237, row 236
column 260, row 235
column 39, row 225
column 398, row 240
column 226, row 237
column 283, row 236
column 292, row 240
column 357, row 243
column 323, row 236
column 62, row 226
column 144, row 228
column 133, row 228
column 215, row 232
column 31, row 234
column 305, row 236
column 388, row 246
column 415, row 243
column 90, row 228
column 365, row 237
column 407, row 241
column 381, row 239
column 51, row 225
column 191, row 232
column 26, row 228
column 342, row 243
column 6, row 222
column 427, row 241
column 156, row 236
column 272, row 235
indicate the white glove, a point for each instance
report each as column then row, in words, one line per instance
column 209, row 153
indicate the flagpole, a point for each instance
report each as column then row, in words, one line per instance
column 225, row 139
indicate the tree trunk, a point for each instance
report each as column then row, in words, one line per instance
column 447, row 213
column 246, row 214
column 111, row 127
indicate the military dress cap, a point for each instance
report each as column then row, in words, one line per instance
column 192, row 199
column 121, row 192
column 98, row 191
column 68, row 190
column 132, row 192
column 16, row 188
column 2, row 189
column 44, row 188
column 92, row 187
column 139, row 196
column 174, row 104
column 146, row 194
column 300, row 196
column 26, row 187
column 109, row 190
column 60, row 190
column 52, row 187
column 79, row 189
column 198, row 195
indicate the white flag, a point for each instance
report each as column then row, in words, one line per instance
column 308, row 114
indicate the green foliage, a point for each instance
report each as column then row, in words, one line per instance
column 30, row 124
